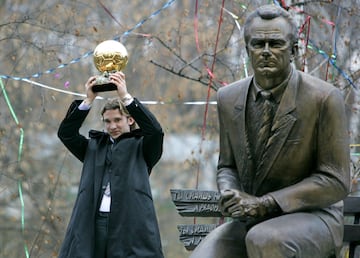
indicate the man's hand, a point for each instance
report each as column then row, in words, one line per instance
column 235, row 203
column 118, row 79
column 90, row 95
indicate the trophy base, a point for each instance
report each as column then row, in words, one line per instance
column 104, row 87
column 103, row 83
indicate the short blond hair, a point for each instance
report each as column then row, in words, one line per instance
column 115, row 103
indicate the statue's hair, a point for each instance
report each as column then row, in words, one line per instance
column 269, row 12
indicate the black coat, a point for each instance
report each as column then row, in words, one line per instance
column 133, row 228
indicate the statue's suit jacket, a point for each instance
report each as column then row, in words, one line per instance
column 306, row 166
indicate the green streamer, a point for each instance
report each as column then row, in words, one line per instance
column 22, row 216
column 243, row 6
column 21, row 142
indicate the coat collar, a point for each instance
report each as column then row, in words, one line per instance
column 287, row 102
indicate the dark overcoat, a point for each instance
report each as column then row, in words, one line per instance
column 133, row 228
column 306, row 166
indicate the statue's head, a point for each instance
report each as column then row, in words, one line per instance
column 271, row 12
column 271, row 42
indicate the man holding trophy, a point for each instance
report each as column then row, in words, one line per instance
column 114, row 215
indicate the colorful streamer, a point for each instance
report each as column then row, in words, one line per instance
column 21, row 142
column 332, row 60
column 210, row 72
column 89, row 53
column 147, row 102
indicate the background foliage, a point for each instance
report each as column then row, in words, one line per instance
column 180, row 53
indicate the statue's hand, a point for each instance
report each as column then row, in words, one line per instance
column 224, row 202
column 239, row 204
column 230, row 203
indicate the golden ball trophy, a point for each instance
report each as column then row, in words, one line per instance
column 110, row 56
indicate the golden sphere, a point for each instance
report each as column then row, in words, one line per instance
column 110, row 55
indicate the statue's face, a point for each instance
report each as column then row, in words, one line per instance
column 270, row 49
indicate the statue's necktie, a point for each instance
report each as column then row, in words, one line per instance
column 266, row 122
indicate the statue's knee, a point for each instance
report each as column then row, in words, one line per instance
column 261, row 236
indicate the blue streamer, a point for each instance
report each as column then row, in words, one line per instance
column 332, row 61
column 89, row 53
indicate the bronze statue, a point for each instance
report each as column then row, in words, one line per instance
column 284, row 193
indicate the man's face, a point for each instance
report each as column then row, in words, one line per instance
column 269, row 48
column 115, row 123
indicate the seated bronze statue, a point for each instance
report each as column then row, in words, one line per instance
column 283, row 167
